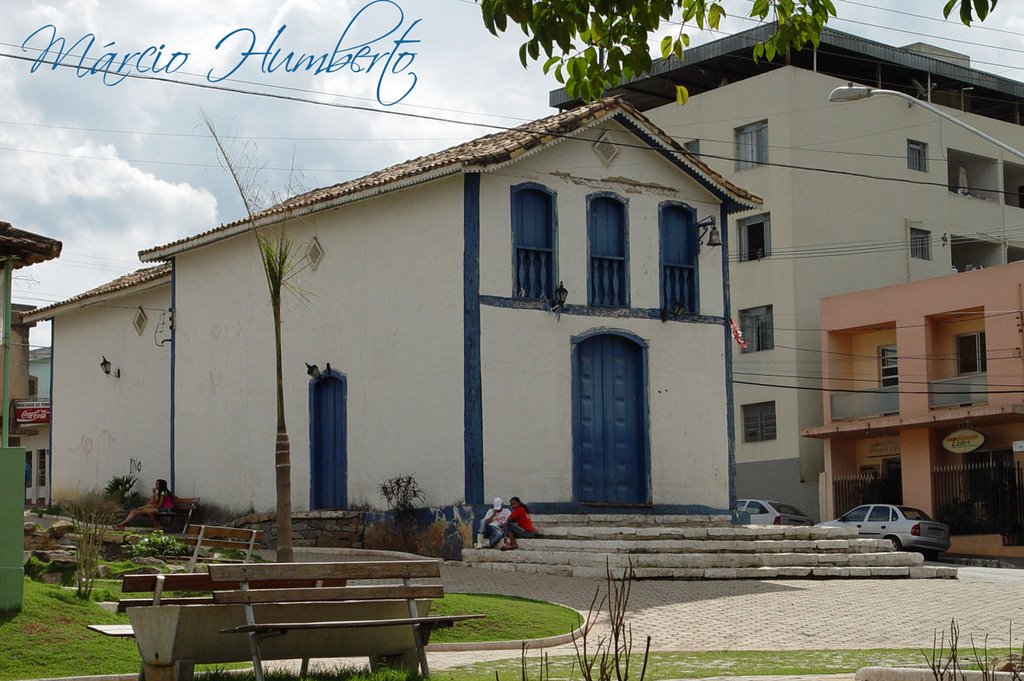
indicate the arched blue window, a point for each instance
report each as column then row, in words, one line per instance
column 678, row 259
column 609, row 261
column 533, row 241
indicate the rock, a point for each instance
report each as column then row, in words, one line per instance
column 31, row 528
column 63, row 559
column 51, row 578
column 1013, row 663
column 175, row 568
column 102, row 571
column 60, row 528
column 112, row 537
column 148, row 560
column 144, row 570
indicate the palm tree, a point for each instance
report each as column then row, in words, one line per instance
column 280, row 264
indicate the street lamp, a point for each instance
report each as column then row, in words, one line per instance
column 851, row 93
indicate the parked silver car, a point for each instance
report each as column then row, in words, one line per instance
column 764, row 512
column 906, row 527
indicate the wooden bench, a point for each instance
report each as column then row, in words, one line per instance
column 183, row 509
column 280, row 611
column 212, row 536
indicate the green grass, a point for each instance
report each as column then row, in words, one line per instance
column 508, row 618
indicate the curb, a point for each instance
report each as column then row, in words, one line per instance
column 525, row 644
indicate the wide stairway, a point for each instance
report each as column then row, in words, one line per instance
column 700, row 547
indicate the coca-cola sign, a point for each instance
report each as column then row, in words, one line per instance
column 31, row 412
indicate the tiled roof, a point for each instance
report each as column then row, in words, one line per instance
column 26, row 247
column 479, row 154
column 128, row 281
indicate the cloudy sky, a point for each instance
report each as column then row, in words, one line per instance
column 113, row 167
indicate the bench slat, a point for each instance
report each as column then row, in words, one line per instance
column 200, row 581
column 218, row 543
column 379, row 569
column 218, row 532
column 116, row 630
column 125, row 603
column 435, row 620
column 345, row 593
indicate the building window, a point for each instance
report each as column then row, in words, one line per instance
column 609, row 264
column 751, row 145
column 755, row 237
column 678, row 259
column 756, row 324
column 888, row 367
column 41, row 467
column 759, row 422
column 920, row 244
column 693, row 146
column 533, row 239
column 917, row 156
column 970, row 353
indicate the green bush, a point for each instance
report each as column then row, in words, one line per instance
column 121, row 489
column 158, row 544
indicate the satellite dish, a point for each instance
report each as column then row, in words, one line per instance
column 921, row 90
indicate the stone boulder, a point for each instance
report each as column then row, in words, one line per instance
column 60, row 528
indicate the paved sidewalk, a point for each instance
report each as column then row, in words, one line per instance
column 773, row 615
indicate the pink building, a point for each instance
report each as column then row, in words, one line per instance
column 924, row 403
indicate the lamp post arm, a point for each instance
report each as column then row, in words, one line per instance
column 952, row 119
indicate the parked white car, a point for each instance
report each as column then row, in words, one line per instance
column 764, row 512
column 906, row 527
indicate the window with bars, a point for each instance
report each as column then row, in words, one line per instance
column 533, row 238
column 970, row 353
column 609, row 262
column 888, row 367
column 755, row 237
column 759, row 422
column 678, row 259
column 751, row 145
column 920, row 244
column 756, row 324
column 917, row 156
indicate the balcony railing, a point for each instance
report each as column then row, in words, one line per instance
column 958, row 391
column 860, row 404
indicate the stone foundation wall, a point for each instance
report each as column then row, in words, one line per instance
column 436, row 532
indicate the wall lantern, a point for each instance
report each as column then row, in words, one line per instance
column 558, row 302
column 677, row 309
column 106, row 368
column 313, row 370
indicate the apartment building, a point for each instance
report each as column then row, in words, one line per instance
column 856, row 195
column 923, row 403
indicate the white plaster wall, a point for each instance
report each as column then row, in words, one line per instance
column 526, row 354
column 105, row 426
column 384, row 308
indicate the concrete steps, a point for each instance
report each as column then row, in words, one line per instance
column 700, row 547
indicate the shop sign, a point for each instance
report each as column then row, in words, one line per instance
column 29, row 412
column 963, row 441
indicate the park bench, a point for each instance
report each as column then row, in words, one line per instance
column 180, row 515
column 212, row 536
column 282, row 611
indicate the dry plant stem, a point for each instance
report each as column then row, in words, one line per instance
column 982, row 660
column 610, row 659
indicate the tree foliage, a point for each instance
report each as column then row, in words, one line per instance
column 593, row 45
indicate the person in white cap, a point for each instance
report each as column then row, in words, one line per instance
column 492, row 527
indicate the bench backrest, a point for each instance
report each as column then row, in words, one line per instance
column 378, row 580
column 212, row 536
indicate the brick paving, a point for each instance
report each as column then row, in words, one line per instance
column 774, row 615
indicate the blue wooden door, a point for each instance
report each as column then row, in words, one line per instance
column 609, row 433
column 329, row 459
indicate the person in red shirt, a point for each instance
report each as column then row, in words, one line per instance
column 518, row 524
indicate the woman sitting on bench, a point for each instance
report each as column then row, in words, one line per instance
column 160, row 501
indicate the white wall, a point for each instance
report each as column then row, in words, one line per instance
column 105, row 426
column 384, row 308
column 526, row 354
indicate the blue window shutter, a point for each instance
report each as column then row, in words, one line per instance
column 606, row 231
column 533, row 239
column 679, row 249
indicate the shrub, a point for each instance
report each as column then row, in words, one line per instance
column 400, row 492
column 158, row 544
column 121, row 489
column 91, row 515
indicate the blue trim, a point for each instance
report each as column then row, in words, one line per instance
column 625, row 244
column 730, row 406
column 646, row 407
column 673, row 158
column 577, row 508
column 332, row 373
column 694, row 245
column 174, row 354
column 606, row 312
column 49, row 435
column 553, row 196
column 473, row 414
